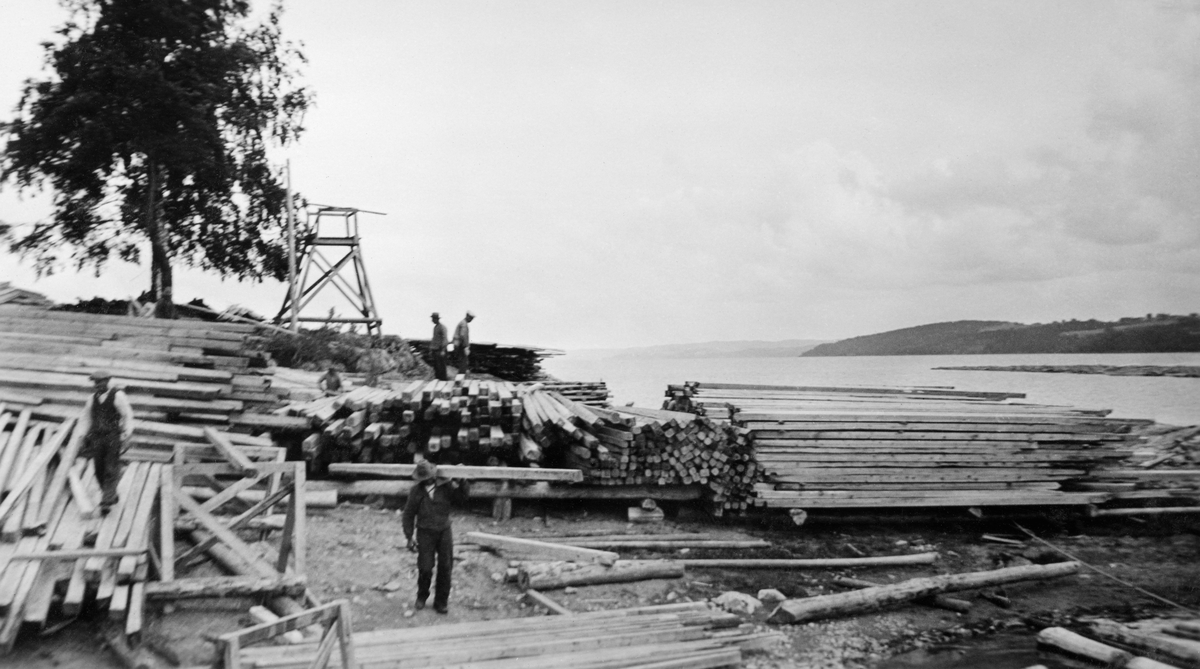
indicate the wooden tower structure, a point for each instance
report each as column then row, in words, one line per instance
column 328, row 250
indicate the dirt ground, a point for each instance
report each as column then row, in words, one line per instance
column 356, row 552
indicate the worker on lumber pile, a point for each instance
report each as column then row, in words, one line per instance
column 437, row 347
column 428, row 509
column 106, row 425
column 330, row 382
column 462, row 343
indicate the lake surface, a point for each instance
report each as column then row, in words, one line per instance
column 1175, row 401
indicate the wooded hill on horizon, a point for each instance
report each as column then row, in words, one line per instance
column 1153, row 333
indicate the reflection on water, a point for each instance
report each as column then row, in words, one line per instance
column 1168, row 400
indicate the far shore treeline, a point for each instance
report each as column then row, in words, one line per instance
column 1153, row 333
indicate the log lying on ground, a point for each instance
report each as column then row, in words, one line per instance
column 871, row 599
column 812, row 563
column 516, row 546
column 937, row 601
column 490, row 489
column 669, row 545
column 554, row 576
column 1185, row 653
column 1074, row 644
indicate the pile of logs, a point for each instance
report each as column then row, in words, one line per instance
column 513, row 363
column 831, row 447
column 497, row 423
column 1154, row 644
column 691, row 634
column 639, row 446
column 184, row 373
column 460, row 421
column 53, row 535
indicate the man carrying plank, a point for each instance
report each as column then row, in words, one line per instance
column 107, row 425
column 428, row 509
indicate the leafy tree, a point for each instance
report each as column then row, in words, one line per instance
column 155, row 126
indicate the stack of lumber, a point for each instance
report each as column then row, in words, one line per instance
column 512, row 363
column 178, row 372
column 10, row 294
column 829, row 447
column 1162, row 473
column 639, row 446
column 690, row 635
column 497, row 423
column 55, row 549
column 462, row 421
column 591, row 393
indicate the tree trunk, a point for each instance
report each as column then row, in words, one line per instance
column 161, row 281
column 795, row 611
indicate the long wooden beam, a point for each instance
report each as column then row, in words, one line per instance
column 459, row 472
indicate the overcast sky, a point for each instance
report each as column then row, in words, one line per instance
column 606, row 174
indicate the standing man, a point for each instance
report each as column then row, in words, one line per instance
column 437, row 347
column 428, row 508
column 462, row 343
column 107, row 425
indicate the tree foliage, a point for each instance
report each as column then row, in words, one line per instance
column 155, row 126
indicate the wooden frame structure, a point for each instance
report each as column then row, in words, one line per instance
column 322, row 268
column 335, row 616
column 284, row 481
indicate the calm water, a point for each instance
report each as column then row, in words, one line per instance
column 643, row 381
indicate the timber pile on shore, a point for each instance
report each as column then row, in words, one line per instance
column 500, row 424
column 827, row 447
column 179, row 375
column 1182, row 371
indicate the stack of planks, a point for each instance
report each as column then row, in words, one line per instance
column 692, row 635
column 640, row 446
column 591, row 393
column 829, row 447
column 10, row 294
column 512, row 363
column 173, row 371
column 54, row 539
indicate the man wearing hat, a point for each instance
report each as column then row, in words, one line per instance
column 107, row 425
column 437, row 347
column 428, row 509
column 462, row 343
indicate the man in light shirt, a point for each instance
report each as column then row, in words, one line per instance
column 462, row 343
column 107, row 425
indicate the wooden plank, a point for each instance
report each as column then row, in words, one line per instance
column 226, row 447
column 289, row 585
column 541, row 548
column 213, row 526
column 297, row 621
column 459, row 472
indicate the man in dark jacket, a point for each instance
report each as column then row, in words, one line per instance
column 428, row 509
column 437, row 347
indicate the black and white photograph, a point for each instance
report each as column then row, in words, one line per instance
column 618, row 334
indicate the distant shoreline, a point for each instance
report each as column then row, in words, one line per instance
column 1180, row 371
